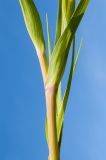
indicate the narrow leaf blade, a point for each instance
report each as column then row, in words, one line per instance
column 77, row 57
column 66, row 95
column 65, row 98
column 48, row 36
column 59, row 22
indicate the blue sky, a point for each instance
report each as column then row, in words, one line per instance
column 22, row 102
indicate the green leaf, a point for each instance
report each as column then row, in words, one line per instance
column 48, row 35
column 59, row 22
column 61, row 49
column 77, row 57
column 68, row 8
column 33, row 24
column 60, row 120
column 65, row 11
column 65, row 98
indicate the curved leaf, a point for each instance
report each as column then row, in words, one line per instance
column 33, row 24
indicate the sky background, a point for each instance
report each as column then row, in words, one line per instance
column 22, row 102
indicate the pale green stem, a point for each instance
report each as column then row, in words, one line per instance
column 43, row 64
column 51, row 122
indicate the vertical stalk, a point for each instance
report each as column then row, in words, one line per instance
column 43, row 64
column 51, row 122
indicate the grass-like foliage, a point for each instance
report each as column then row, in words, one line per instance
column 68, row 20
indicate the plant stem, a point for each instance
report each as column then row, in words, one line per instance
column 51, row 122
column 43, row 64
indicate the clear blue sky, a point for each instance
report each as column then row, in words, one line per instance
column 22, row 102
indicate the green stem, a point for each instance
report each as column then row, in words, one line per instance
column 51, row 122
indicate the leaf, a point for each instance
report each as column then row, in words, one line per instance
column 77, row 57
column 48, row 35
column 65, row 98
column 65, row 11
column 59, row 22
column 61, row 49
column 68, row 8
column 33, row 24
column 66, row 95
